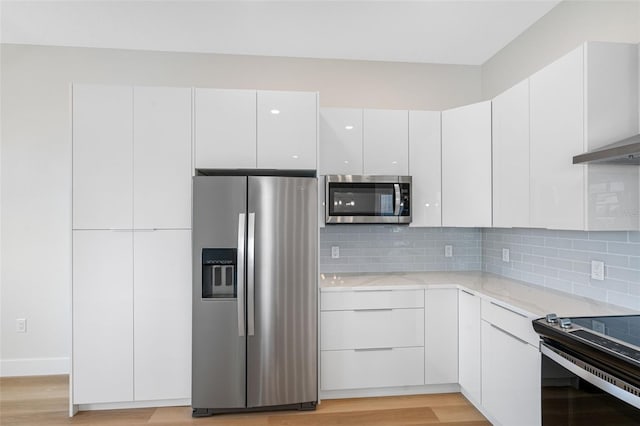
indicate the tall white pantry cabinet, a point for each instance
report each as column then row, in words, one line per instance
column 131, row 245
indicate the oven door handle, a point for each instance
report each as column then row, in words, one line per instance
column 612, row 387
column 396, row 191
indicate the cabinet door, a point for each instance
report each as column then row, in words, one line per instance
column 340, row 141
column 386, row 142
column 287, row 130
column 321, row 201
column 510, row 378
column 102, row 316
column 225, row 129
column 469, row 345
column 466, row 166
column 162, row 314
column 102, row 159
column 425, row 168
column 510, row 115
column 162, row 157
column 557, row 134
column 441, row 336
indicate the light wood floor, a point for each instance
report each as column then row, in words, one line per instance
column 44, row 401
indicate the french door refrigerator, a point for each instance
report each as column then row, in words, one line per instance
column 255, row 265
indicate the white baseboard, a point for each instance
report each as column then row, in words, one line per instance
column 392, row 391
column 34, row 366
column 132, row 404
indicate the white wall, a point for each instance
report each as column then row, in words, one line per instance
column 36, row 155
column 566, row 26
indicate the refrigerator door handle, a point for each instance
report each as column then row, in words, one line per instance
column 240, row 272
column 251, row 243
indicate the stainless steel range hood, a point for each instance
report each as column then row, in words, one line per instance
column 625, row 152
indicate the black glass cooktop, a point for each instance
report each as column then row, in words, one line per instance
column 625, row 328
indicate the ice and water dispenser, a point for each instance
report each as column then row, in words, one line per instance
column 219, row 273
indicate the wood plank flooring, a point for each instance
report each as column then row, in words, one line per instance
column 44, row 400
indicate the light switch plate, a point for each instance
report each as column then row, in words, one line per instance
column 448, row 251
column 597, row 270
column 21, row 325
column 335, row 252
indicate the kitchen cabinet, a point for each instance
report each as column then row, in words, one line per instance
column 245, row 129
column 162, row 314
column 441, row 336
column 510, row 118
column 225, row 129
column 425, row 168
column 584, row 100
column 161, row 158
column 287, row 134
column 131, row 157
column 102, row 160
column 386, row 142
column 466, row 166
column 469, row 367
column 341, row 136
column 510, row 377
column 367, row 331
column 102, row 367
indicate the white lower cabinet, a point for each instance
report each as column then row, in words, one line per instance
column 469, row 345
column 131, row 316
column 441, row 336
column 372, row 368
column 510, row 378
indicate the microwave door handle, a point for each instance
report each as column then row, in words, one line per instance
column 396, row 190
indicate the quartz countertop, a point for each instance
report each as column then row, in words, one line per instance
column 531, row 300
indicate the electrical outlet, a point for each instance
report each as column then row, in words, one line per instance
column 505, row 254
column 21, row 325
column 597, row 270
column 335, row 252
column 448, row 250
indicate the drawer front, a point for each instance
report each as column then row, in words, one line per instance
column 377, row 328
column 510, row 321
column 354, row 369
column 371, row 299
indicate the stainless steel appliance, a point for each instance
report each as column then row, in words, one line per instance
column 367, row 199
column 590, row 370
column 255, row 257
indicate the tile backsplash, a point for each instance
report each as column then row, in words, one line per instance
column 562, row 260
column 393, row 248
column 554, row 259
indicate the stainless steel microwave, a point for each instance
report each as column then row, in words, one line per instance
column 367, row 199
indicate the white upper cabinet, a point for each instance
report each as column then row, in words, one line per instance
column 386, row 142
column 287, row 130
column 340, row 141
column 466, row 166
column 425, row 168
column 557, row 134
column 510, row 117
column 225, row 129
column 162, row 157
column 102, row 159
column 583, row 101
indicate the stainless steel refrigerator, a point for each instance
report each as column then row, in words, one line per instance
column 255, row 267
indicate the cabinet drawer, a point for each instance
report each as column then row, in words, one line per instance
column 378, row 328
column 510, row 321
column 371, row 299
column 353, row 369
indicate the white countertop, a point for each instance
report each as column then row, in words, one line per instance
column 533, row 301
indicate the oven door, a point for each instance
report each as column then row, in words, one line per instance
column 574, row 393
column 368, row 199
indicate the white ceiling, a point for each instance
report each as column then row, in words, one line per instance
column 449, row 32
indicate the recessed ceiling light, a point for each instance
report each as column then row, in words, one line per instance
column 346, row 161
column 348, row 127
column 275, row 111
column 394, row 162
column 294, row 157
